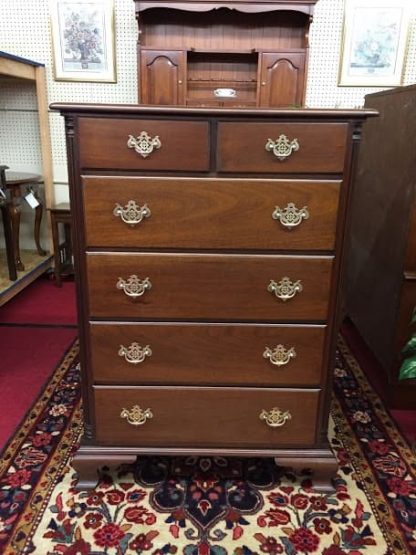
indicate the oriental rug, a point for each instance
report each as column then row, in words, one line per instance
column 202, row 506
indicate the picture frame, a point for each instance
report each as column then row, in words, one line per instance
column 374, row 43
column 83, row 40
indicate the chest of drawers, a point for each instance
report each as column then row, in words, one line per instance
column 209, row 256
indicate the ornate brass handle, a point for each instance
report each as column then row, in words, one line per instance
column 144, row 144
column 134, row 287
column 290, row 216
column 282, row 147
column 135, row 353
column 279, row 356
column 275, row 418
column 132, row 214
column 285, row 289
column 136, row 416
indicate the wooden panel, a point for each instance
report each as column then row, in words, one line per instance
column 410, row 257
column 381, row 219
column 17, row 69
column 45, row 139
column 223, row 29
column 209, row 286
column 103, row 144
column 205, row 417
column 241, row 147
column 163, row 77
column 281, row 79
column 210, row 213
column 207, row 354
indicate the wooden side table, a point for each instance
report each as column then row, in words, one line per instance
column 7, row 224
column 16, row 183
column 61, row 214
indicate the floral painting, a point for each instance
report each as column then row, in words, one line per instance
column 83, row 40
column 375, row 34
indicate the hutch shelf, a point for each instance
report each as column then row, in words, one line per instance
column 230, row 54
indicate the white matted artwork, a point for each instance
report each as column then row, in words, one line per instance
column 83, row 40
column 374, row 43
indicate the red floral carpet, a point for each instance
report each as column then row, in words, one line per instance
column 162, row 506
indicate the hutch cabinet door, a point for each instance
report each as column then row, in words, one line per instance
column 163, row 77
column 281, row 76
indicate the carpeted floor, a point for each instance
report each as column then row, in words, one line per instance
column 42, row 303
column 406, row 419
column 209, row 506
column 29, row 355
column 36, row 328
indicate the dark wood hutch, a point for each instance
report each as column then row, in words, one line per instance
column 223, row 54
column 382, row 257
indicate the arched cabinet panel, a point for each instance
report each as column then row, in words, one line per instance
column 281, row 79
column 162, row 77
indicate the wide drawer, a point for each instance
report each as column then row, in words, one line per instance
column 210, row 213
column 208, row 286
column 205, row 417
column 183, row 146
column 320, row 147
column 207, row 354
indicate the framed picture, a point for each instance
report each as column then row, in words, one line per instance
column 374, row 43
column 83, row 40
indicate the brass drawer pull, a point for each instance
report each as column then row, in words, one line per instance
column 136, row 416
column 135, row 353
column 275, row 418
column 134, row 287
column 282, row 147
column 290, row 216
column 132, row 214
column 285, row 289
column 144, row 144
column 279, row 356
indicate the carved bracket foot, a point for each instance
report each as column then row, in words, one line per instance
column 87, row 467
column 324, row 469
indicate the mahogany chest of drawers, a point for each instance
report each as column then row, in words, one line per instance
column 209, row 255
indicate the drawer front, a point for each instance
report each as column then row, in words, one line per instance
column 204, row 417
column 207, row 213
column 242, row 147
column 207, row 354
column 104, row 144
column 217, row 287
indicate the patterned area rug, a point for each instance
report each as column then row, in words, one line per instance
column 162, row 506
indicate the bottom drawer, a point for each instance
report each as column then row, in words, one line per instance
column 204, row 417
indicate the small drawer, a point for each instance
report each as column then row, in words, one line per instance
column 205, row 417
column 281, row 147
column 207, row 354
column 209, row 286
column 108, row 143
column 210, row 213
